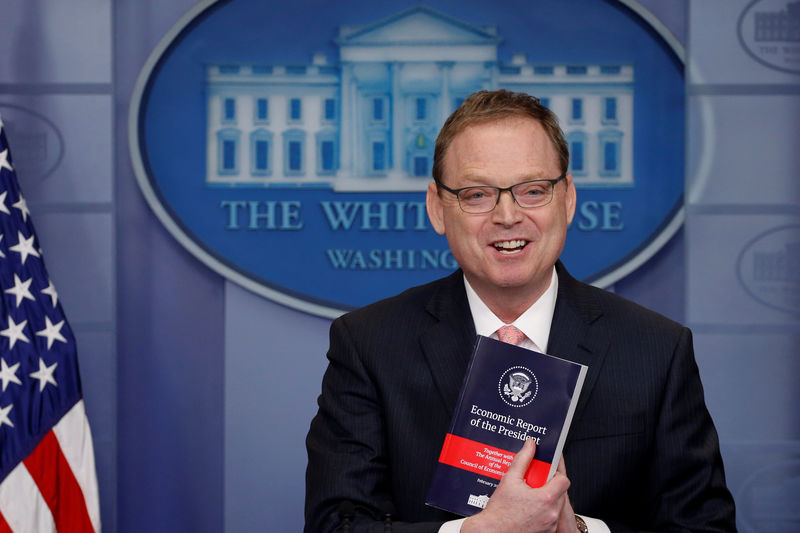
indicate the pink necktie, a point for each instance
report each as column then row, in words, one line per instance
column 511, row 335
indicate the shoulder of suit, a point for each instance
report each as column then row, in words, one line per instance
column 613, row 307
column 412, row 300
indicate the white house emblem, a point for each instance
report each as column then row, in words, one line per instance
column 292, row 155
column 478, row 501
column 769, row 30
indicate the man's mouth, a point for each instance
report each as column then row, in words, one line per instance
column 510, row 247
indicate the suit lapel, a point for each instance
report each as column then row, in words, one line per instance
column 575, row 333
column 447, row 344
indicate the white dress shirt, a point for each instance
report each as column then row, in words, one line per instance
column 535, row 324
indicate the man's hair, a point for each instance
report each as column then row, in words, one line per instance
column 488, row 106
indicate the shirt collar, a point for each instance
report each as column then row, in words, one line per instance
column 534, row 322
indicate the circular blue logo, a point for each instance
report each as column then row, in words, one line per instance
column 38, row 143
column 288, row 146
column 768, row 268
column 769, row 30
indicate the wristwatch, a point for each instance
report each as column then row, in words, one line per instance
column 582, row 527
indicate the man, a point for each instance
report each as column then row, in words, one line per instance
column 642, row 453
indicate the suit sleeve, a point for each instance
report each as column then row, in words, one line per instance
column 686, row 478
column 347, row 452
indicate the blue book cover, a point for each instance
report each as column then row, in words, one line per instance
column 510, row 394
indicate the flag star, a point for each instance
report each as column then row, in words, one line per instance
column 52, row 332
column 4, row 415
column 8, row 374
column 4, row 160
column 1, row 251
column 21, row 289
column 14, row 332
column 45, row 375
column 24, row 247
column 22, row 205
column 3, row 206
column 50, row 290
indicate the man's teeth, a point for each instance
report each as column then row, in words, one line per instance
column 509, row 246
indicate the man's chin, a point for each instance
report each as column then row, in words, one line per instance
column 522, row 280
column 507, row 282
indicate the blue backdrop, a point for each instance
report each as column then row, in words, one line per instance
column 200, row 393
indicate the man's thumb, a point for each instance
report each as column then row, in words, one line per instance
column 522, row 460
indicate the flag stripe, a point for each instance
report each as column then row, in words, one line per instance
column 52, row 474
column 75, row 438
column 22, row 504
column 4, row 528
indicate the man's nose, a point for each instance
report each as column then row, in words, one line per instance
column 507, row 211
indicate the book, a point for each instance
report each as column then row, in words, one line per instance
column 510, row 394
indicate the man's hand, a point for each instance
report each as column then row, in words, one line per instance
column 566, row 522
column 515, row 506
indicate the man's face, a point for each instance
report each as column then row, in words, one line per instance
column 509, row 247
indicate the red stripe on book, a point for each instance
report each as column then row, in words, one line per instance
column 536, row 476
column 4, row 527
column 49, row 469
column 475, row 456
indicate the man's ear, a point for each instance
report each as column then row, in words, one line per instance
column 571, row 199
column 435, row 209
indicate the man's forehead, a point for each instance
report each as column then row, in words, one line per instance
column 526, row 121
column 467, row 147
column 518, row 128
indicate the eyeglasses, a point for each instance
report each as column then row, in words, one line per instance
column 483, row 199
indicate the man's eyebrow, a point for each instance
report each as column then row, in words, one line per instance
column 476, row 180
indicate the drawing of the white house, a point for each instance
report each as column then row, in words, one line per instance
column 370, row 120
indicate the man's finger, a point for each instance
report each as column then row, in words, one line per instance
column 558, row 485
column 566, row 520
column 562, row 467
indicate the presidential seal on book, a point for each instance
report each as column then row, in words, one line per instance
column 518, row 386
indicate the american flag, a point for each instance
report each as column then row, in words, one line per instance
column 47, row 474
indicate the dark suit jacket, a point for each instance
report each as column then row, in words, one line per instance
column 642, row 453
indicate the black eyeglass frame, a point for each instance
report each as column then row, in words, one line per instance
column 500, row 190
